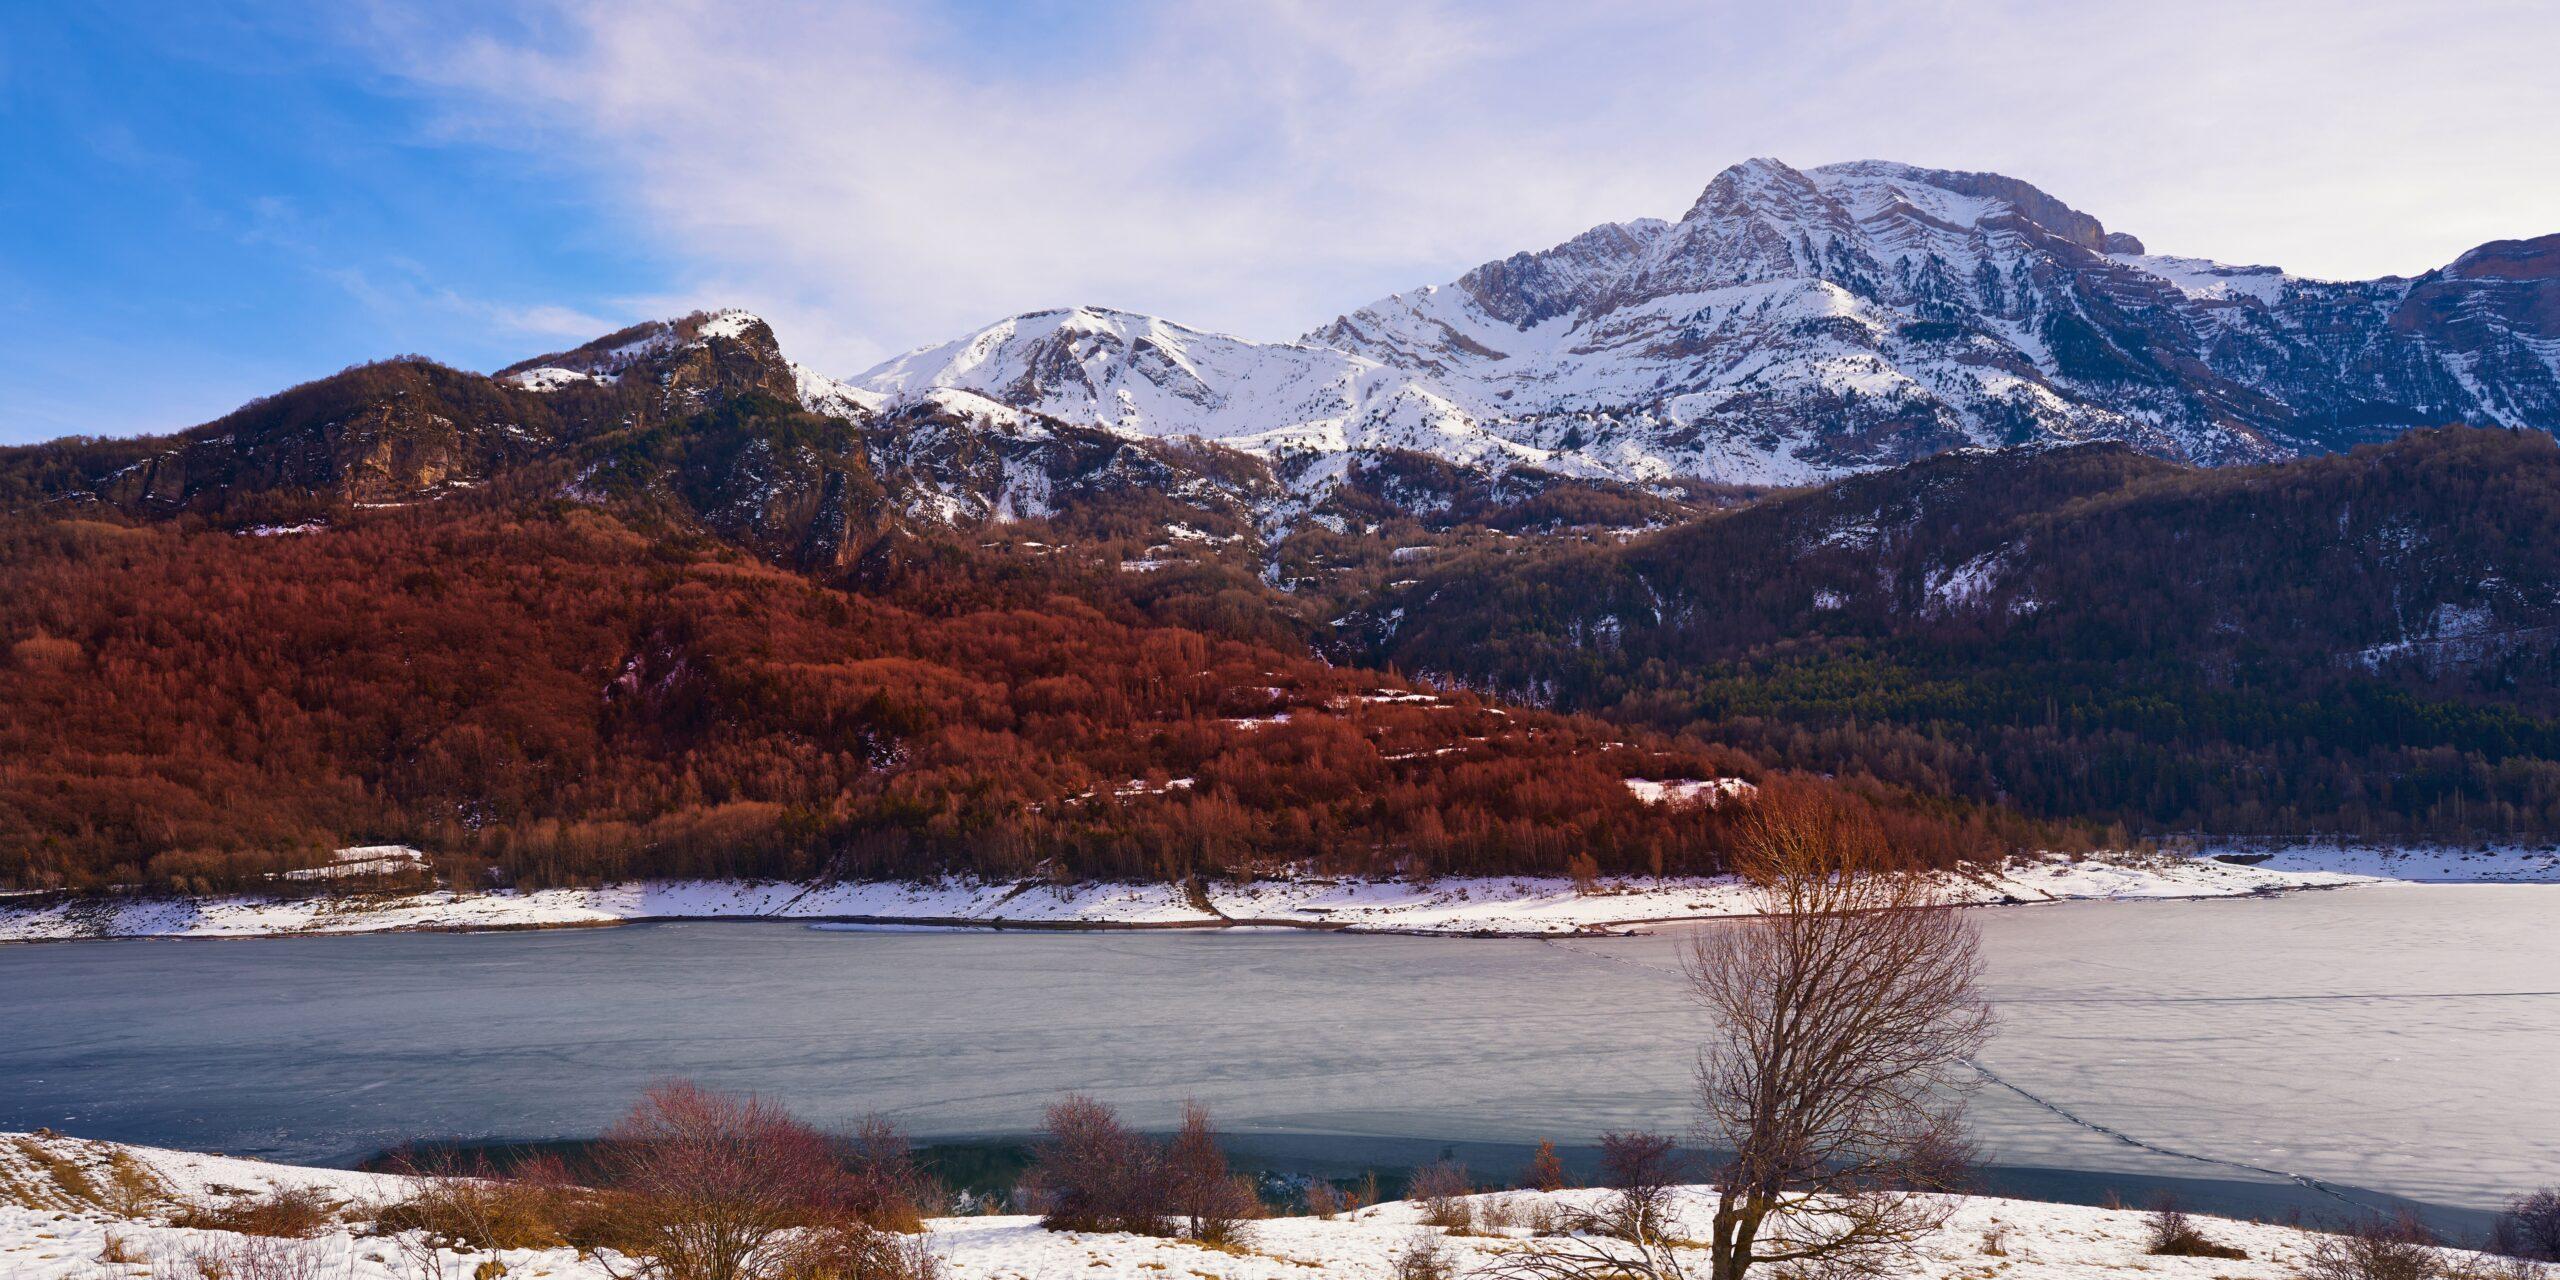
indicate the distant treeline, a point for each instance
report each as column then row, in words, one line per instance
column 2366, row 644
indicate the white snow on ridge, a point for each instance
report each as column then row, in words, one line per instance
column 551, row 378
column 1682, row 791
column 2203, row 279
column 822, row 394
column 1638, row 351
column 729, row 324
column 1140, row 376
column 363, row 860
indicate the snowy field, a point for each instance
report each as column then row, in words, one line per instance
column 46, row 1234
column 1526, row 907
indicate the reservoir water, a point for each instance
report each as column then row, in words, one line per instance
column 2401, row 1040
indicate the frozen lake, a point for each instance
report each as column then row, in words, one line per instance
column 2404, row 1038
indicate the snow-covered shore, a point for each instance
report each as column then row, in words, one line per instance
column 50, row 1233
column 1515, row 906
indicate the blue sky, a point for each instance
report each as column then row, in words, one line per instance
column 207, row 203
column 204, row 202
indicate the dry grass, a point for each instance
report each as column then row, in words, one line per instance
column 132, row 1188
column 70, row 1182
column 1525, row 1211
column 282, row 1213
column 858, row 1252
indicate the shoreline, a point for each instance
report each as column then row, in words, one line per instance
column 1487, row 907
column 64, row 1221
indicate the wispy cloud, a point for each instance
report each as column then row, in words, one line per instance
column 877, row 176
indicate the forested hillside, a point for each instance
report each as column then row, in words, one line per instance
column 2361, row 643
column 667, row 604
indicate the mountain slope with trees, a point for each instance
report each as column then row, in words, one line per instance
column 667, row 617
column 2366, row 643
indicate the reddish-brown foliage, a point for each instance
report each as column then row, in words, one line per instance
column 566, row 701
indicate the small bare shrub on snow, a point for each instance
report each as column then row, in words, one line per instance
column 132, row 1190
column 1423, row 1257
column 259, row 1258
column 1546, row 1169
column 1528, row 1212
column 1640, row 1169
column 1213, row 1203
column 1995, row 1240
column 855, row 1251
column 2495, row 1266
column 1323, row 1201
column 2530, row 1228
column 1440, row 1190
column 2375, row 1249
column 468, row 1205
column 1089, row 1172
column 2171, row 1233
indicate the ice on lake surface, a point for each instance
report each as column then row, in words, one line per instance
column 2399, row 1038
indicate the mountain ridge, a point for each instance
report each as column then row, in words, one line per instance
column 1797, row 325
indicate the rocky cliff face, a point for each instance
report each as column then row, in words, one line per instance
column 700, row 421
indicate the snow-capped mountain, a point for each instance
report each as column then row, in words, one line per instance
column 1141, row 376
column 1798, row 324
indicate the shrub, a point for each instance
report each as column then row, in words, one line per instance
column 475, row 1207
column 259, row 1258
column 1641, row 1169
column 2173, row 1234
column 1441, row 1191
column 1424, row 1257
column 2494, row 1266
column 1516, row 1212
column 283, row 1213
column 2530, row 1228
column 887, row 1190
column 115, row 1249
column 1546, row 1170
column 2374, row 1249
column 1091, row 1173
column 856, row 1251
column 709, row 1186
column 1213, row 1203
column 132, row 1189
column 1323, row 1201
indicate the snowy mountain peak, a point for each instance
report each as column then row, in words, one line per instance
column 1796, row 324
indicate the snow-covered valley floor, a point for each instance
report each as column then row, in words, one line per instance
column 49, row 1234
column 1514, row 906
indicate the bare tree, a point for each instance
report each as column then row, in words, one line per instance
column 719, row 1186
column 1213, row 1203
column 1093, row 1173
column 1843, row 1017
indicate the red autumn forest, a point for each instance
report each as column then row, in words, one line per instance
column 571, row 701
